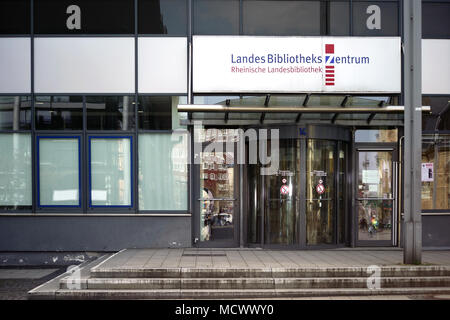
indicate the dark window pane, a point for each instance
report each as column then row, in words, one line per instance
column 382, row 19
column 99, row 16
column 15, row 17
column 162, row 17
column 267, row 17
column 59, row 112
column 216, row 17
column 438, row 106
column 15, row 113
column 436, row 20
column 155, row 113
column 110, row 113
column 339, row 18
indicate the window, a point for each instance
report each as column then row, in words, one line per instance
column 110, row 171
column 15, row 17
column 376, row 135
column 59, row 181
column 110, row 113
column 159, row 112
column 268, row 17
column 84, row 17
column 338, row 18
column 162, row 17
column 435, row 20
column 375, row 18
column 15, row 113
column 163, row 176
column 15, row 171
column 436, row 172
column 59, row 112
column 216, row 17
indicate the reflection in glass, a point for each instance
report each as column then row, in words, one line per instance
column 59, row 112
column 281, row 195
column 436, row 175
column 268, row 17
column 59, row 172
column 216, row 17
column 110, row 112
column 110, row 172
column 342, row 151
column 376, row 135
column 162, row 17
column 254, row 204
column 320, row 192
column 15, row 171
column 163, row 172
column 375, row 219
column 15, row 113
column 159, row 112
column 375, row 192
column 217, row 194
column 375, row 174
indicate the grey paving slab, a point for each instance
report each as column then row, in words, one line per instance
column 249, row 258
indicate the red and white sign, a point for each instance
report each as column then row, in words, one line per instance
column 224, row 64
column 320, row 188
column 284, row 189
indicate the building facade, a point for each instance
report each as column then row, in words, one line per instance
column 222, row 123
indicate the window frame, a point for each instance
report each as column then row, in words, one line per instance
column 50, row 208
column 110, row 208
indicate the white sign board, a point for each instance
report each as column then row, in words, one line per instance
column 427, row 172
column 296, row 64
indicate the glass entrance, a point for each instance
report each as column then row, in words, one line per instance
column 217, row 209
column 375, row 201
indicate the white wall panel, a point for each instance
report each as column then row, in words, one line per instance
column 84, row 65
column 15, row 65
column 435, row 66
column 162, row 64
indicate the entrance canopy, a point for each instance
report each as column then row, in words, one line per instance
column 292, row 109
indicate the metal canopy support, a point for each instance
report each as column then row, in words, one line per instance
column 412, row 76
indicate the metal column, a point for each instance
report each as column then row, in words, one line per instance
column 412, row 75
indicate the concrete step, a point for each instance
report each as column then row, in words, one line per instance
column 249, row 283
column 239, row 294
column 334, row 272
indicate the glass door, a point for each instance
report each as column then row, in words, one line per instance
column 375, row 196
column 217, row 209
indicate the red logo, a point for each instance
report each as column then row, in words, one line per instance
column 284, row 189
column 320, row 188
column 329, row 64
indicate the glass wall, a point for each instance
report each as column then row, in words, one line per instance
column 110, row 171
column 15, row 171
column 162, row 17
column 435, row 172
column 15, row 113
column 320, row 192
column 216, row 17
column 59, row 182
column 59, row 112
column 281, row 191
column 268, row 17
column 163, row 175
column 110, row 112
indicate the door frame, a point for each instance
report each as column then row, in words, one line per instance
column 374, row 147
column 196, row 215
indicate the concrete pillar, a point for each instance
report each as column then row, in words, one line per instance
column 412, row 77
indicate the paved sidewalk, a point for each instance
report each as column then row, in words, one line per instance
column 257, row 258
